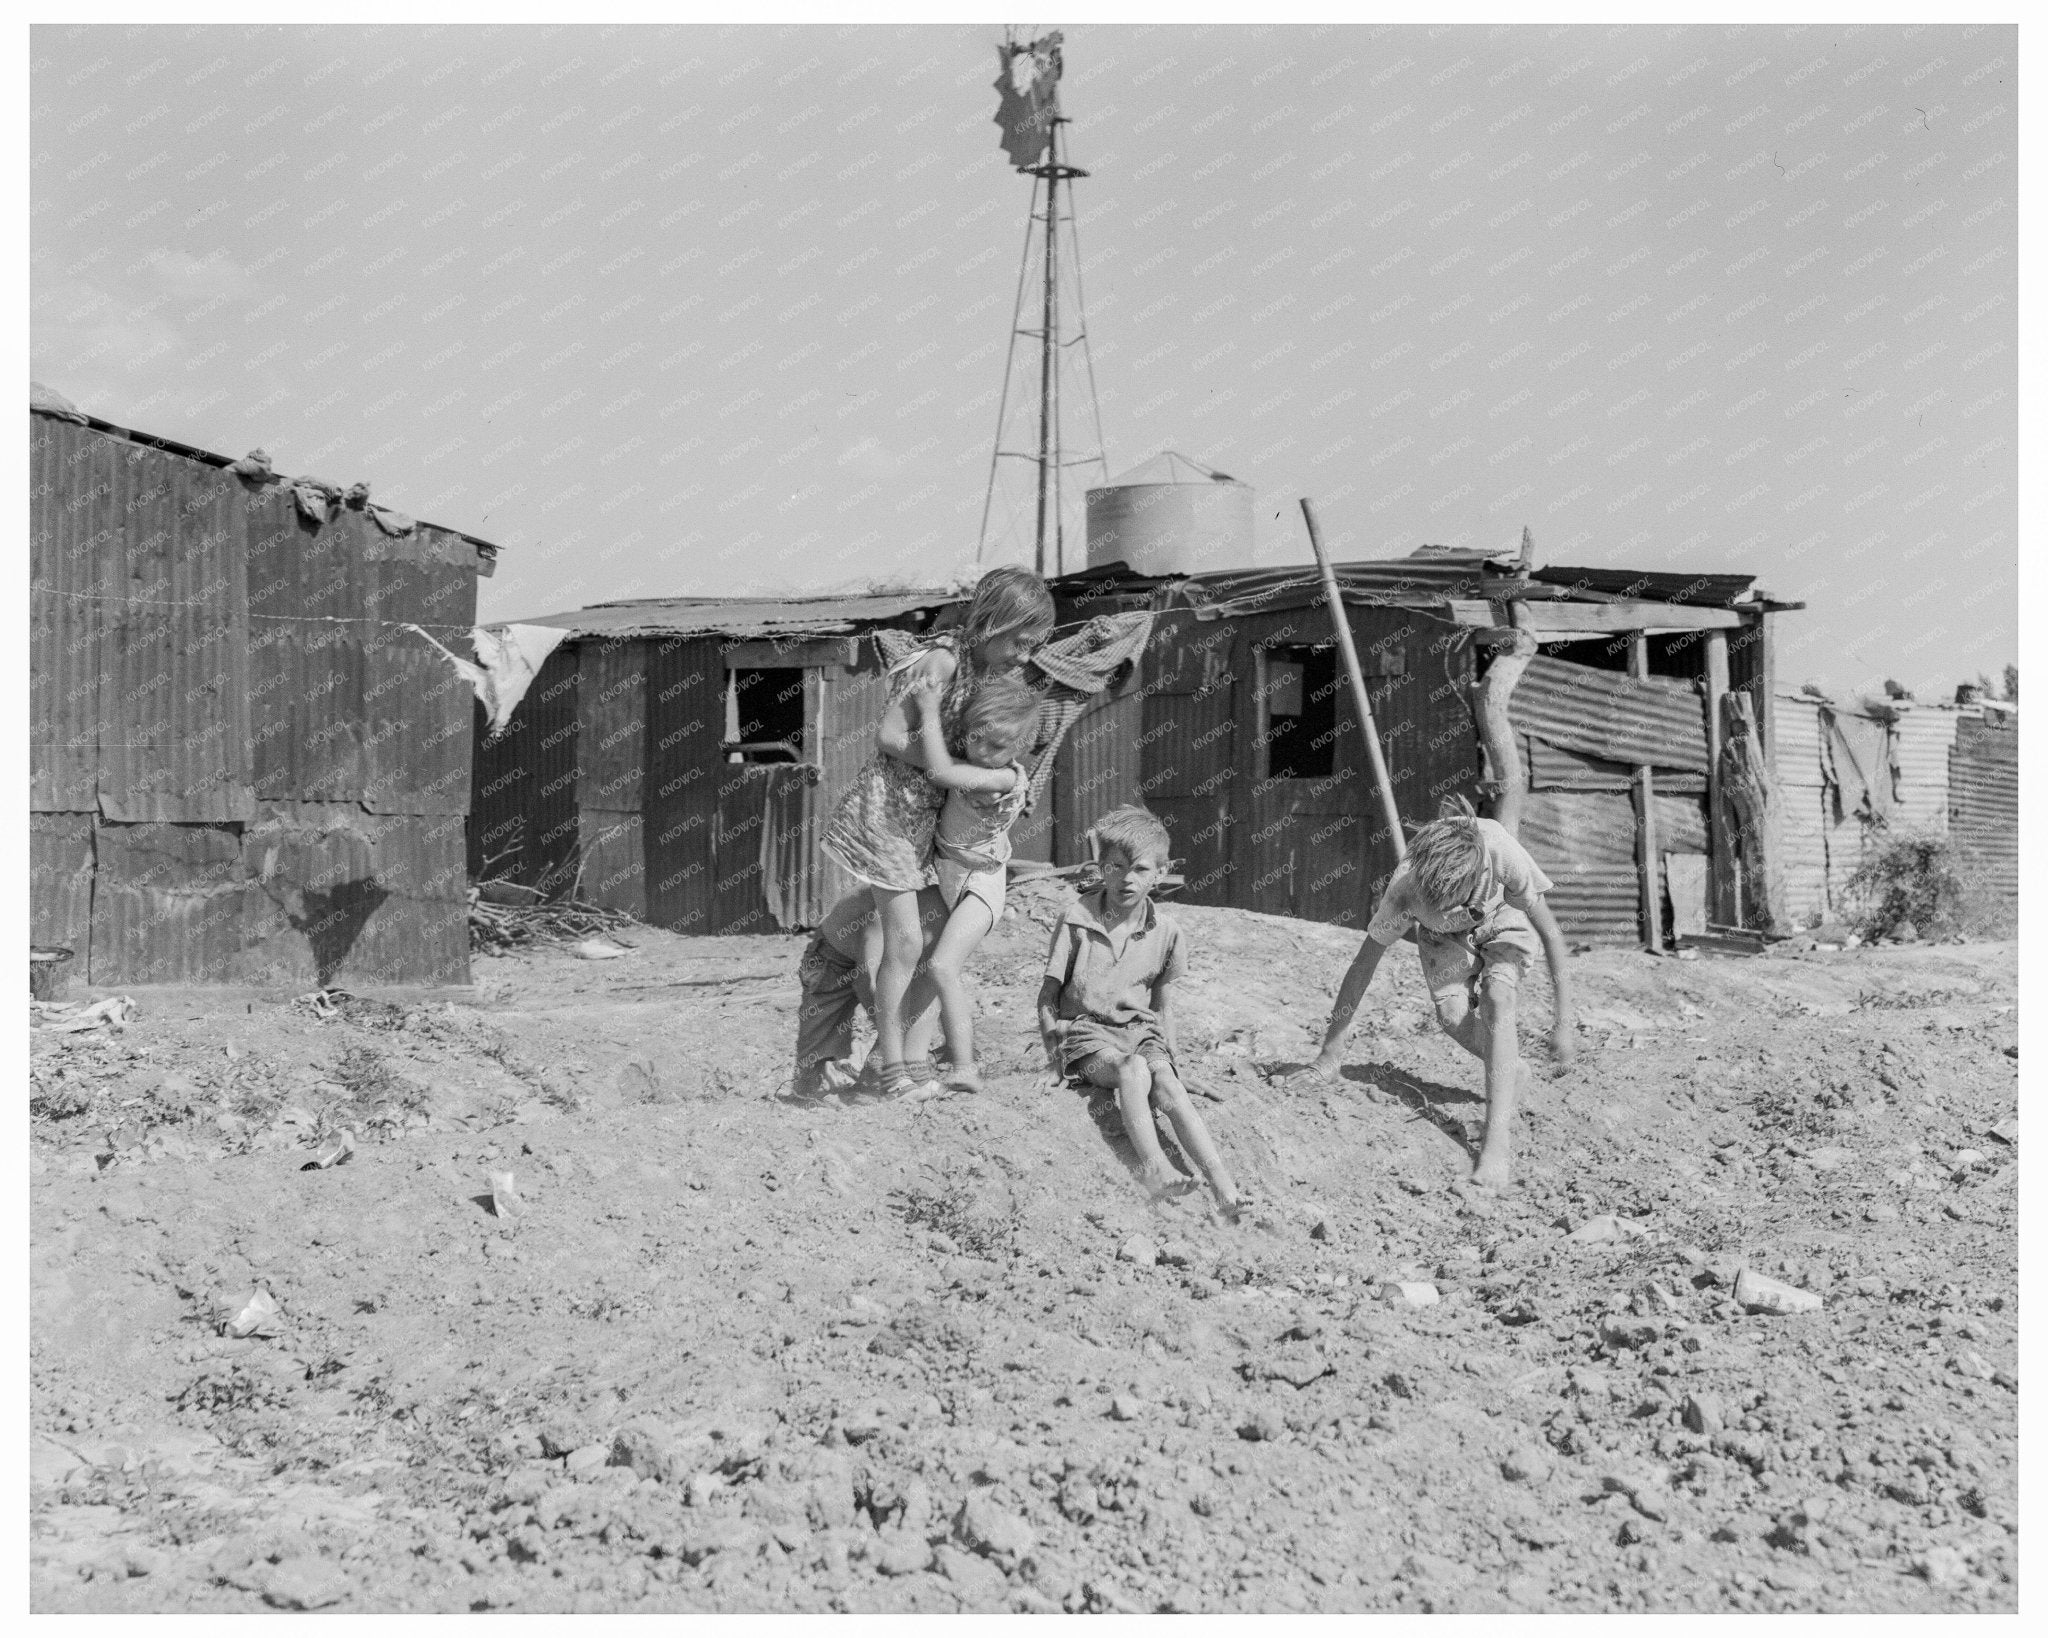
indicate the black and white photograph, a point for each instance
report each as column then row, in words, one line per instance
column 852, row 816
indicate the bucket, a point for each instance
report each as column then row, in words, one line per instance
column 46, row 971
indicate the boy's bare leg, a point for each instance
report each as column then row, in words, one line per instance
column 962, row 934
column 1134, row 1099
column 1503, row 1073
column 1171, row 1096
column 1350, row 991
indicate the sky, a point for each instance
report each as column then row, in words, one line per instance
column 710, row 310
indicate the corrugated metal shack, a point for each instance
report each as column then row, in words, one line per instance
column 241, row 768
column 678, row 758
column 1854, row 778
column 1240, row 732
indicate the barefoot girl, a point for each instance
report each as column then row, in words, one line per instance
column 884, row 830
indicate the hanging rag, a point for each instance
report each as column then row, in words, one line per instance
column 356, row 496
column 392, row 523
column 1076, row 668
column 318, row 500
column 508, row 658
column 42, row 401
column 1859, row 767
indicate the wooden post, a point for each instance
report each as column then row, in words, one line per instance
column 1646, row 818
column 1496, row 733
column 1721, row 905
column 1752, row 799
column 1350, row 652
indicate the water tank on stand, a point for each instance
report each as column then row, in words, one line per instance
column 1171, row 516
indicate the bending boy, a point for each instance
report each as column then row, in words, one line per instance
column 1475, row 900
column 1105, row 1003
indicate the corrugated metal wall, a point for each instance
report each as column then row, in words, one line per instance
column 1822, row 849
column 242, row 768
column 1804, row 824
column 1984, row 801
column 523, row 824
column 1611, row 715
column 686, row 720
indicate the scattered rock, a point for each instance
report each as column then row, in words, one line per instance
column 1264, row 1424
column 2007, row 1130
column 1126, row 1407
column 1762, row 1295
column 1879, row 1211
column 976, row 1578
column 1703, row 1413
column 1409, row 1293
column 993, row 1532
column 302, row 1583
column 1527, row 1464
column 1940, row 1566
column 1177, row 1254
column 1139, row 1249
column 1971, row 1363
column 588, row 1458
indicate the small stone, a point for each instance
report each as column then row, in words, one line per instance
column 993, row 1531
column 1971, row 1363
column 1879, row 1211
column 1526, row 1464
column 586, row 1459
column 2006, row 1131
column 1761, row 1295
column 1177, row 1254
column 1139, row 1249
column 1941, row 1566
column 1262, row 1425
column 1126, row 1407
column 648, row 1449
column 976, row 1578
column 1703, row 1413
column 303, row 1583
column 1409, row 1293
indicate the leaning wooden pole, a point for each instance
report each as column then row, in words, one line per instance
column 1357, row 675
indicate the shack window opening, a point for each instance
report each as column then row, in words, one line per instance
column 764, row 715
column 1298, row 710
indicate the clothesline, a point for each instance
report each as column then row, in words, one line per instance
column 253, row 614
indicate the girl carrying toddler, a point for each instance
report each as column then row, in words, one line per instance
column 885, row 830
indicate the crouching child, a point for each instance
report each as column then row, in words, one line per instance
column 1105, row 1006
column 1474, row 898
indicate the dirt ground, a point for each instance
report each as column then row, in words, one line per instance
column 739, row 1353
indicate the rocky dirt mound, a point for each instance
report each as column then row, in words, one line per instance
column 727, row 1351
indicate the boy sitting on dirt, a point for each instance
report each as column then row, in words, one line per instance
column 1475, row 900
column 1105, row 1003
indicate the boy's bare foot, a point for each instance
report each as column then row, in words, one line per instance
column 967, row 1079
column 1492, row 1172
column 1230, row 1208
column 1166, row 1184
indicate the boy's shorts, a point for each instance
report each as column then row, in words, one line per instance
column 1498, row 951
column 957, row 882
column 1087, row 1039
column 835, row 989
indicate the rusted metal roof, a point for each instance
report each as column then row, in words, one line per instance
column 1651, row 586
column 743, row 616
column 1607, row 714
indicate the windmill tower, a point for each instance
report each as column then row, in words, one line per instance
column 1048, row 321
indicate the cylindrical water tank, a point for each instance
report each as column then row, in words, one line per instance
column 1174, row 526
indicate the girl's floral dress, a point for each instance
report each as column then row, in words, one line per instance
column 885, row 824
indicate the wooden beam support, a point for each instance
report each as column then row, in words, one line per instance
column 1551, row 621
column 1720, row 841
column 1751, row 794
column 1646, row 819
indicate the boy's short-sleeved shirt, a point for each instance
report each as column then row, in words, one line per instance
column 1101, row 979
column 1508, row 876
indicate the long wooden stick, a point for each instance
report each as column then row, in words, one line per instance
column 1351, row 665
column 1647, row 860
